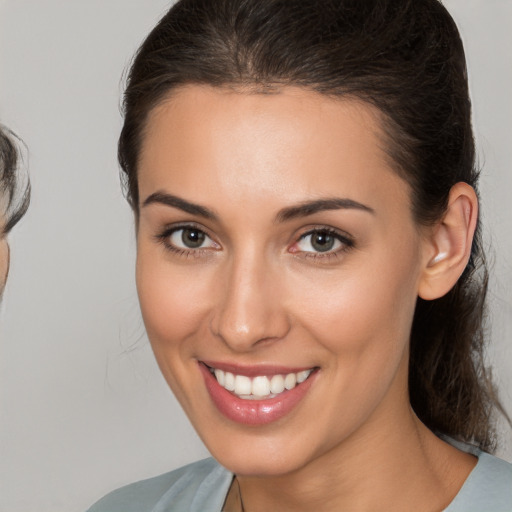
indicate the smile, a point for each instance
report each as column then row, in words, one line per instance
column 261, row 386
column 256, row 396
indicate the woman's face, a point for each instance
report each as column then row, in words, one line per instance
column 276, row 244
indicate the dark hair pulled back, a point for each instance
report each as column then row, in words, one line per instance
column 405, row 58
column 14, row 191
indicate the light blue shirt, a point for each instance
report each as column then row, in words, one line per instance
column 203, row 486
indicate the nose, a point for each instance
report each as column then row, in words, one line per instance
column 250, row 307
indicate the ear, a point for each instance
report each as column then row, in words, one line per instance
column 449, row 243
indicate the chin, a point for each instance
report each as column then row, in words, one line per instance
column 276, row 466
column 259, row 455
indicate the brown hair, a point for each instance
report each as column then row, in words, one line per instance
column 404, row 57
column 14, row 191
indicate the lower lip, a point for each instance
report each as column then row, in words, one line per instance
column 253, row 412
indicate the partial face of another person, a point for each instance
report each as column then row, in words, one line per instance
column 4, row 262
column 278, row 270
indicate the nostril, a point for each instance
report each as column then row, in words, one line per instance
column 245, row 336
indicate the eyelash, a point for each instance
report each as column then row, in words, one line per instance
column 347, row 243
column 164, row 239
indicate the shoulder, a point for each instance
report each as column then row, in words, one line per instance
column 200, row 486
column 488, row 487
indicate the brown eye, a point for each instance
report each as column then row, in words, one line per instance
column 322, row 241
column 190, row 238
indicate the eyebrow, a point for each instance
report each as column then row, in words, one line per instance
column 180, row 204
column 292, row 212
column 311, row 207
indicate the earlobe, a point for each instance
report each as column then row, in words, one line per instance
column 450, row 243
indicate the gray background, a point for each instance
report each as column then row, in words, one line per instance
column 82, row 405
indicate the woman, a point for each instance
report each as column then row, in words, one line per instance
column 309, row 264
column 14, row 199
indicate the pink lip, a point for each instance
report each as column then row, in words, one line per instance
column 254, row 412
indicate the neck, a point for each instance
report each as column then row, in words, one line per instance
column 402, row 466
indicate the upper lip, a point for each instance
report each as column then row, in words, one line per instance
column 255, row 370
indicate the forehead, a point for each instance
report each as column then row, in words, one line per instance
column 291, row 142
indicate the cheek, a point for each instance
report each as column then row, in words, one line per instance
column 173, row 302
column 173, row 308
column 364, row 312
column 363, row 321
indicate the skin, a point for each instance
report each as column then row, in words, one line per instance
column 4, row 262
column 257, row 293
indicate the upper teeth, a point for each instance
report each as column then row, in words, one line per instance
column 260, row 386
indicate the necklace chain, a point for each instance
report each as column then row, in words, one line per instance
column 240, row 501
column 234, row 502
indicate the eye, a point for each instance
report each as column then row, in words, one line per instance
column 322, row 241
column 189, row 238
column 185, row 239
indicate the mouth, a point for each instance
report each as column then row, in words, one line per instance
column 256, row 396
column 260, row 387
